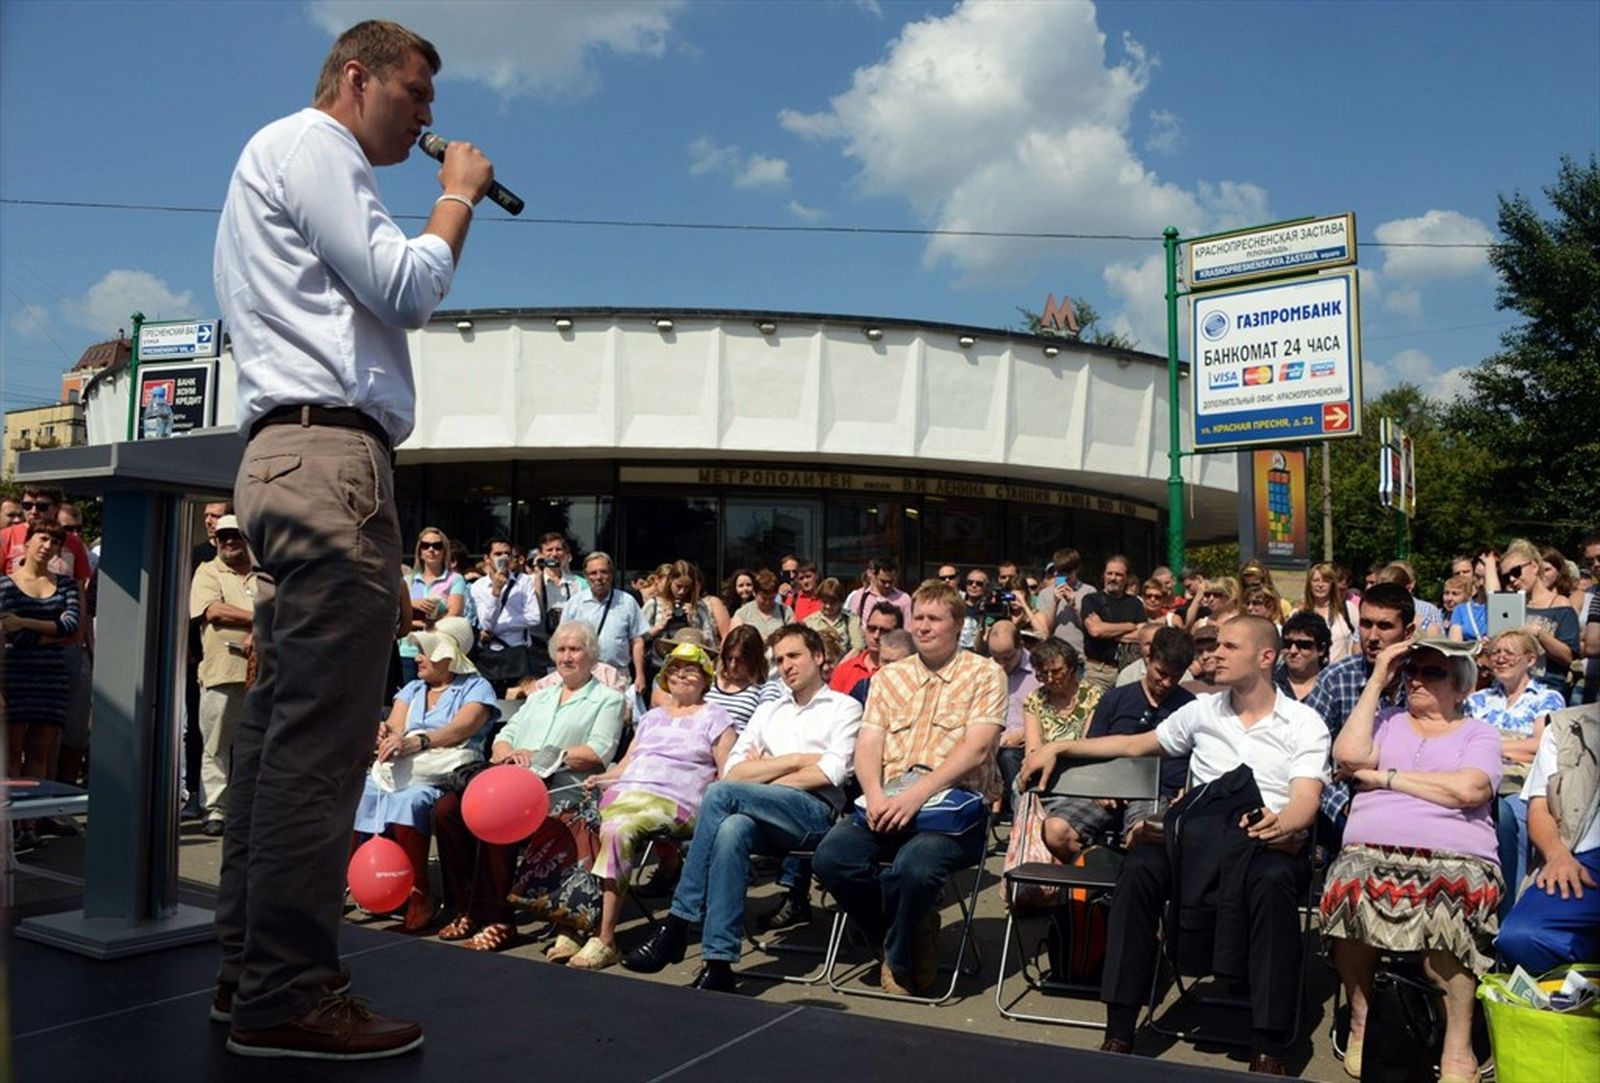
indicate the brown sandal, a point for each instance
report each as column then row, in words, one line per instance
column 492, row 937
column 459, row 929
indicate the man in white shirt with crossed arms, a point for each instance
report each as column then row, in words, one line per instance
column 318, row 285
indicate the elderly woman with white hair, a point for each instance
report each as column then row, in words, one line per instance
column 567, row 731
column 433, row 728
column 1420, row 868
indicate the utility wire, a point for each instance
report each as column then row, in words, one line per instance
column 735, row 227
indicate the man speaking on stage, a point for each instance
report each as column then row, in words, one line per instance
column 318, row 286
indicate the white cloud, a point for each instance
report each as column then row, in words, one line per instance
column 748, row 171
column 32, row 321
column 1434, row 228
column 108, row 304
column 1404, row 301
column 1417, row 367
column 1166, row 132
column 805, row 213
column 871, row 7
column 1013, row 117
column 518, row 48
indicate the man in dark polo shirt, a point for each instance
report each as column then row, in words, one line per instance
column 1110, row 618
column 1071, row 822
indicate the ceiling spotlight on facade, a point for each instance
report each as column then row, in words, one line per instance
column 966, row 342
column 463, row 325
column 664, row 325
column 767, row 327
column 563, row 323
column 874, row 333
column 1051, row 351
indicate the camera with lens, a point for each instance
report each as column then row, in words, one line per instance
column 546, row 562
column 998, row 604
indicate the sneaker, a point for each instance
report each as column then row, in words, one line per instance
column 339, row 1028
column 222, row 999
column 787, row 914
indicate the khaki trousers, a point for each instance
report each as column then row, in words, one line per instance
column 317, row 506
column 221, row 708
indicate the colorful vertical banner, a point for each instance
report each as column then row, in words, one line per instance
column 1281, row 528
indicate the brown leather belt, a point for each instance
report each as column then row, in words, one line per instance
column 337, row 417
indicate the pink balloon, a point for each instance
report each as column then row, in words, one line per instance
column 505, row 804
column 380, row 875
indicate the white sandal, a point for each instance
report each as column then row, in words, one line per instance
column 596, row 955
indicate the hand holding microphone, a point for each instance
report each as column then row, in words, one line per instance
column 471, row 172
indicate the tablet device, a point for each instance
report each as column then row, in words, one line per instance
column 1508, row 610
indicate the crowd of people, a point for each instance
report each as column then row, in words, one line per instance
column 1402, row 751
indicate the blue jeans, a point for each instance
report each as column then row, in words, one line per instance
column 887, row 905
column 1545, row 931
column 1511, row 830
column 738, row 819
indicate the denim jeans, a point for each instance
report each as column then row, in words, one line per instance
column 738, row 819
column 887, row 905
column 1511, row 830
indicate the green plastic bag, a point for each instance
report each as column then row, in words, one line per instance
column 1534, row 1046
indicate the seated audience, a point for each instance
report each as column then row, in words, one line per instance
column 1418, row 871
column 1130, row 673
column 656, row 788
column 765, row 613
column 1466, row 615
column 436, row 591
column 1202, row 676
column 1268, row 758
column 913, row 745
column 432, row 730
column 893, row 645
column 781, row 788
column 1515, row 705
column 1557, row 918
column 678, row 604
column 741, row 682
column 1005, row 647
column 1306, row 646
column 1265, row 603
column 830, row 615
column 571, row 724
column 1073, row 822
column 863, row 663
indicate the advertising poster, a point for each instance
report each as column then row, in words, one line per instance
column 176, row 398
column 1281, row 533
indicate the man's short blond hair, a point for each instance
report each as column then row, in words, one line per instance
column 380, row 45
column 938, row 592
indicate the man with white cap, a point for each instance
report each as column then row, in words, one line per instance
column 222, row 597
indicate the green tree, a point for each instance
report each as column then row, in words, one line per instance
column 1534, row 406
column 1089, row 329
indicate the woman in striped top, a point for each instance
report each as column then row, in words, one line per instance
column 39, row 615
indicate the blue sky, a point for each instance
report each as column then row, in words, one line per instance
column 1032, row 117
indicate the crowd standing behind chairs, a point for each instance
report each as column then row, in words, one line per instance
column 730, row 721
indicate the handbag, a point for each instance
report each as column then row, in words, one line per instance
column 954, row 811
column 501, row 663
column 1026, row 847
column 429, row 767
column 1404, row 1033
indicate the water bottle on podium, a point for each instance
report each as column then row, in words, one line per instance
column 157, row 415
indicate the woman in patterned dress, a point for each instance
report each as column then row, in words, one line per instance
column 39, row 616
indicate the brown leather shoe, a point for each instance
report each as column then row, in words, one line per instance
column 889, row 984
column 1267, row 1064
column 222, row 999
column 339, row 1028
column 1116, row 1045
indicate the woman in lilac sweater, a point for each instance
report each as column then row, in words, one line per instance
column 1420, row 867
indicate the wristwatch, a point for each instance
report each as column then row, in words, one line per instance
column 1388, row 782
column 427, row 743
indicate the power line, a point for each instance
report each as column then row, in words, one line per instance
column 734, row 227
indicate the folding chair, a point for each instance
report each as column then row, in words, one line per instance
column 777, row 943
column 1191, row 994
column 1132, row 779
column 969, row 907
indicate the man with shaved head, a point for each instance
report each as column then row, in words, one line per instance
column 1284, row 744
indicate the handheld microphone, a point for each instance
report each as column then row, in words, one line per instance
column 433, row 146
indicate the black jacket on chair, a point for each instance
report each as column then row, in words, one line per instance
column 1208, row 929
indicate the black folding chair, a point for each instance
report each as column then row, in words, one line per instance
column 1132, row 779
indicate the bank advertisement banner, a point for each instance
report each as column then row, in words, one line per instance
column 1276, row 363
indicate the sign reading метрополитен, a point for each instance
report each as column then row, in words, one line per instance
column 1315, row 244
column 1276, row 362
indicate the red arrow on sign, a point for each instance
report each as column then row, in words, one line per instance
column 1336, row 417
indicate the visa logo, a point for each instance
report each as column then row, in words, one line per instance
column 1320, row 369
column 1220, row 380
column 1257, row 374
column 1291, row 370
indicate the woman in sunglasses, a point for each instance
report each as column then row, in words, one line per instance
column 1551, row 620
column 1420, row 867
column 436, row 591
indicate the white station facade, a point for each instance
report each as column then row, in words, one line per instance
column 729, row 438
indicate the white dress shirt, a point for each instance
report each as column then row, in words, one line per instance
column 827, row 724
column 315, row 281
column 1291, row 742
column 509, row 623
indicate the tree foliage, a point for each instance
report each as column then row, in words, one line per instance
column 1535, row 406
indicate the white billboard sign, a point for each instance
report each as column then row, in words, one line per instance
column 1276, row 363
column 1271, row 251
column 175, row 339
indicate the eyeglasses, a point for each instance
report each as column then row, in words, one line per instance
column 1059, row 673
column 36, row 505
column 1510, row 573
column 977, row 582
column 1504, row 652
column 225, row 536
column 1299, row 644
column 1431, row 674
column 430, row 545
column 953, row 576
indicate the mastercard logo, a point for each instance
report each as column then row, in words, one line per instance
column 1257, row 375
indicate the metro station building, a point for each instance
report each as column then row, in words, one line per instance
column 730, row 437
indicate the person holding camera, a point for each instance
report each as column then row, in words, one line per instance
column 508, row 610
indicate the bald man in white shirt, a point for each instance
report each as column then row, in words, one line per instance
column 318, row 285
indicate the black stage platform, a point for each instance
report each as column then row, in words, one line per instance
column 491, row 1017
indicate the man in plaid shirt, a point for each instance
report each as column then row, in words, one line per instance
column 1388, row 615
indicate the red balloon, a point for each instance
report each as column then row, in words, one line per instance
column 505, row 804
column 380, row 876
